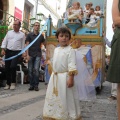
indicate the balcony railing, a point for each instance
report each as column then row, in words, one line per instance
column 8, row 19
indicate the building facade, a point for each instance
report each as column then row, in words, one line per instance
column 25, row 9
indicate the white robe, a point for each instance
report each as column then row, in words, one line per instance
column 75, row 14
column 93, row 21
column 65, row 106
column 98, row 12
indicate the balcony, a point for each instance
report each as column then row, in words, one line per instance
column 8, row 19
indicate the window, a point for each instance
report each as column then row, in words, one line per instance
column 26, row 16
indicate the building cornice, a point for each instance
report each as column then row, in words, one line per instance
column 49, row 8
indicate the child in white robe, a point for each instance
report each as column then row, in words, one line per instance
column 75, row 12
column 62, row 102
column 86, row 10
column 92, row 17
column 98, row 12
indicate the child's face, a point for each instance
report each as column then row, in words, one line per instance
column 91, row 11
column 87, row 7
column 97, row 8
column 63, row 39
column 76, row 6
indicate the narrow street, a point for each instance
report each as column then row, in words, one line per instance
column 31, row 29
column 21, row 104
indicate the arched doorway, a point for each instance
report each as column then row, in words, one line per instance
column 1, row 9
column 4, row 6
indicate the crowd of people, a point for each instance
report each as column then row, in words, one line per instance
column 30, row 60
column 65, row 75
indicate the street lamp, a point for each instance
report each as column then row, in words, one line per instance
column 40, row 17
column 32, row 21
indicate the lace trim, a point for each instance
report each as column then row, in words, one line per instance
column 74, row 72
column 50, row 69
column 50, row 118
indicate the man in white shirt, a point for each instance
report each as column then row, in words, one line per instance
column 12, row 44
column 114, row 85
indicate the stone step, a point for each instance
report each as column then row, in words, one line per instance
column 9, row 100
column 28, row 112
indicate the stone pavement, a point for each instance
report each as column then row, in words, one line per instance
column 21, row 104
column 101, row 108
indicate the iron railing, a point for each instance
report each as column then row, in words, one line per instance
column 8, row 19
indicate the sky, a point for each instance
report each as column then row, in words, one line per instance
column 109, row 32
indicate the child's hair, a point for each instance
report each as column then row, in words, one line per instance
column 90, row 3
column 92, row 9
column 63, row 30
column 96, row 7
column 87, row 4
column 78, row 4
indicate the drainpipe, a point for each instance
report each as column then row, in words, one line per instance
column 36, row 8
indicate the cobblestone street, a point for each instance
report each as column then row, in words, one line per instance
column 20, row 104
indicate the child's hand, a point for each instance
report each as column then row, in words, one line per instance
column 97, row 14
column 28, row 57
column 2, row 52
column 70, row 82
column 48, row 62
column 103, row 34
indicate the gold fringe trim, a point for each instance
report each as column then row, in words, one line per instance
column 50, row 69
column 74, row 72
column 85, row 59
column 55, row 88
column 50, row 118
column 55, row 91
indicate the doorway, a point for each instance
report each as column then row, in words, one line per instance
column 1, row 9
